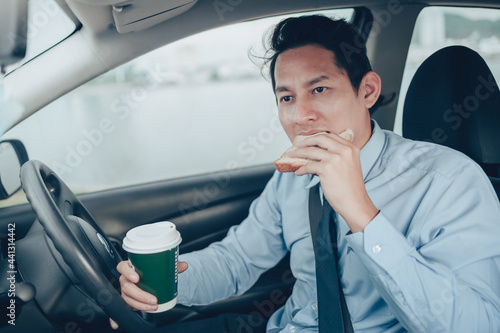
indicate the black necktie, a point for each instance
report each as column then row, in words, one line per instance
column 333, row 313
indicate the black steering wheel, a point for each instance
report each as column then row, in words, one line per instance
column 80, row 241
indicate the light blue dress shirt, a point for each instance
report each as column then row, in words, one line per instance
column 428, row 262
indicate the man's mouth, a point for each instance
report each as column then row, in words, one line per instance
column 311, row 132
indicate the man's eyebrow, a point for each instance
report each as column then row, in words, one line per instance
column 281, row 89
column 316, row 80
column 308, row 84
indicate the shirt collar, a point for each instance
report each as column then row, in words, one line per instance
column 372, row 150
column 369, row 154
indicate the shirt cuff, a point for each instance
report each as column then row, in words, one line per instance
column 380, row 246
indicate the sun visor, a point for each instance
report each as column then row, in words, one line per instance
column 135, row 15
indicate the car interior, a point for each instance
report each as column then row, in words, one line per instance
column 64, row 279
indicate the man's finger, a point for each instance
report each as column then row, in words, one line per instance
column 126, row 270
column 182, row 266
column 134, row 292
column 139, row 305
column 113, row 324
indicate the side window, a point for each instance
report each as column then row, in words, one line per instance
column 438, row 27
column 195, row 106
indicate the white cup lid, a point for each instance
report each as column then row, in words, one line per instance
column 152, row 238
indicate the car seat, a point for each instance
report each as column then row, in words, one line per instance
column 454, row 100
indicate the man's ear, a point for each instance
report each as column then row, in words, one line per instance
column 370, row 88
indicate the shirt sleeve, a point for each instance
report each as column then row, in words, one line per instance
column 233, row 265
column 447, row 279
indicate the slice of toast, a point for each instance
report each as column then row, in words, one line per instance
column 291, row 164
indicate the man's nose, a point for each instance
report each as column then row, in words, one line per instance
column 305, row 111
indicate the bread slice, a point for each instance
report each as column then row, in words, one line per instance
column 291, row 164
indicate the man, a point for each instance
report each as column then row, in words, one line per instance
column 418, row 224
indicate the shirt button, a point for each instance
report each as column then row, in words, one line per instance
column 314, row 306
column 292, row 329
column 376, row 249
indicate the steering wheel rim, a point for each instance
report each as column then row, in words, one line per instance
column 55, row 206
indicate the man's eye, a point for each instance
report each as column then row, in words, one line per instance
column 319, row 90
column 286, row 99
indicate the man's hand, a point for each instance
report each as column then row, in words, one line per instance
column 132, row 294
column 336, row 162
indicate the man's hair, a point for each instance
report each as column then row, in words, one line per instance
column 337, row 36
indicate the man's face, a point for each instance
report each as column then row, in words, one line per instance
column 315, row 95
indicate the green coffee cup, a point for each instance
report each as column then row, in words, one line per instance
column 153, row 251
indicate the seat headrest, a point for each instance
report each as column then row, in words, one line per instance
column 454, row 100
